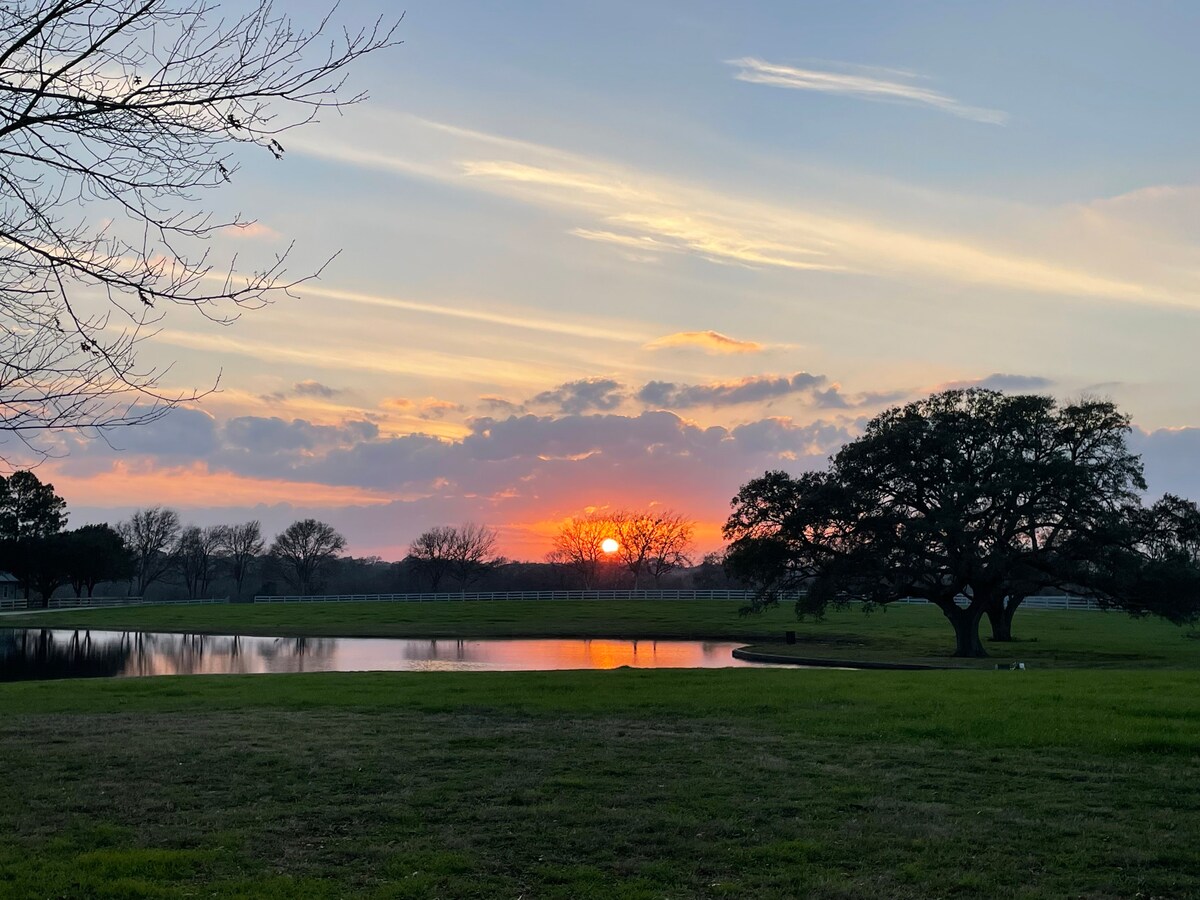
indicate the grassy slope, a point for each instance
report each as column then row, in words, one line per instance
column 913, row 633
column 764, row 783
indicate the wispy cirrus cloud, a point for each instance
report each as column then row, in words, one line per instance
column 520, row 318
column 365, row 358
column 679, row 232
column 630, row 241
column 655, row 216
column 863, row 83
column 710, row 341
column 731, row 230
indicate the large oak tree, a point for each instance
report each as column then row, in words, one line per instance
column 970, row 499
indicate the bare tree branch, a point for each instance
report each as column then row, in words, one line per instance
column 115, row 117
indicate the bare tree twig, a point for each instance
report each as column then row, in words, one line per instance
column 115, row 117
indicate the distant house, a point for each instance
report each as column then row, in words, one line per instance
column 10, row 588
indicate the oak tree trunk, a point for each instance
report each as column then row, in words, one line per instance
column 1000, row 615
column 966, row 630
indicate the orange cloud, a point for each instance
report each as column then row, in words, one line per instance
column 429, row 408
column 709, row 341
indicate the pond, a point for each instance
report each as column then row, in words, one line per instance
column 68, row 653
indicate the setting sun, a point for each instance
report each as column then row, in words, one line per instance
column 608, row 545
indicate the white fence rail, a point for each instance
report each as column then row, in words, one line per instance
column 1045, row 602
column 100, row 602
column 1048, row 602
column 510, row 595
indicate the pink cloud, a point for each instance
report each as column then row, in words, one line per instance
column 252, row 231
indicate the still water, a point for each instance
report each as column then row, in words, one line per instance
column 66, row 653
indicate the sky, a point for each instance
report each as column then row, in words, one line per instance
column 589, row 256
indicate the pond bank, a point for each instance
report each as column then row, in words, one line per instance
column 749, row 654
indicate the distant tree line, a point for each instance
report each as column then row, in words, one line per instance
column 154, row 553
column 152, row 547
column 647, row 546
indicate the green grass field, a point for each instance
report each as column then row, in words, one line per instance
column 902, row 633
column 629, row 783
column 746, row 783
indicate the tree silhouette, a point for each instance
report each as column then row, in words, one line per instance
column 472, row 552
column 241, row 545
column 966, row 494
column 304, row 549
column 150, row 535
column 45, row 564
column 29, row 508
column 1151, row 565
column 195, row 555
column 115, row 117
column 652, row 543
column 32, row 517
column 465, row 551
column 95, row 553
column 577, row 547
column 432, row 554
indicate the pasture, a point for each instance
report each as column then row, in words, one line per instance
column 763, row 783
column 1047, row 782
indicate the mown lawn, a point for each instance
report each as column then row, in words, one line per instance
column 746, row 783
column 901, row 633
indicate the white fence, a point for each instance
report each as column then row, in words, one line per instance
column 99, row 602
column 511, row 595
column 741, row 596
column 1049, row 602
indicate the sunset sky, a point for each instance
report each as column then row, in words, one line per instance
column 629, row 254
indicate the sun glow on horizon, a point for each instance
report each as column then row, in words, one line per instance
column 609, row 546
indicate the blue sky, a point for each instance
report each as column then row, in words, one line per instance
column 545, row 208
column 1105, row 86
